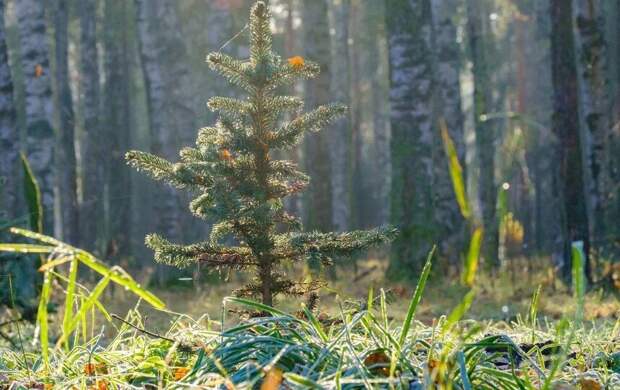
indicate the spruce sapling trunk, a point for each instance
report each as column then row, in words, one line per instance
column 241, row 188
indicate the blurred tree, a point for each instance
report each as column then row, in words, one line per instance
column 168, row 83
column 447, row 106
column 9, row 135
column 40, row 138
column 67, row 169
column 594, row 109
column 480, row 42
column 117, row 127
column 373, row 38
column 409, row 31
column 340, row 142
column 91, row 148
column 565, row 122
column 316, row 45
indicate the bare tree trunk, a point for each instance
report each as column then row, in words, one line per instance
column 9, row 136
column 316, row 146
column 91, row 210
column 340, row 135
column 447, row 107
column 409, row 31
column 67, row 175
column 376, row 49
column 40, row 139
column 167, row 79
column 479, row 33
column 117, row 128
column 570, row 179
column 594, row 108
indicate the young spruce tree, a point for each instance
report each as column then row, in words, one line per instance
column 240, row 186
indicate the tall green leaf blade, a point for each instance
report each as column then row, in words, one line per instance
column 417, row 296
column 121, row 279
column 456, row 171
column 42, row 319
column 473, row 257
column 33, row 196
column 68, row 315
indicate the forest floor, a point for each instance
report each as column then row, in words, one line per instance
column 502, row 339
column 501, row 297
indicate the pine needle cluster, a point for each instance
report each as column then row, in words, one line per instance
column 240, row 186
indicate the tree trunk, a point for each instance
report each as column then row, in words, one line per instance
column 594, row 108
column 167, row 79
column 67, row 179
column 340, row 133
column 565, row 124
column 409, row 32
column 91, row 209
column 479, row 33
column 9, row 136
column 378, row 65
column 40, row 139
column 117, row 129
column 316, row 146
column 447, row 107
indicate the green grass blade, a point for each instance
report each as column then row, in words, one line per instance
column 579, row 282
column 460, row 357
column 68, row 315
column 256, row 305
column 33, row 196
column 302, row 381
column 417, row 296
column 316, row 325
column 37, row 236
column 456, row 171
column 472, row 259
column 89, row 303
column 26, row 248
column 459, row 311
column 119, row 278
column 42, row 319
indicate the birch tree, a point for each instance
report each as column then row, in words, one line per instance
column 409, row 32
column 67, row 175
column 39, row 104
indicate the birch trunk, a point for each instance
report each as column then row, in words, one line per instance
column 317, row 199
column 594, row 108
column 340, row 133
column 409, row 32
column 67, row 175
column 91, row 209
column 40, row 139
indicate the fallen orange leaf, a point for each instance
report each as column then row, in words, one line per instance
column 272, row 380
